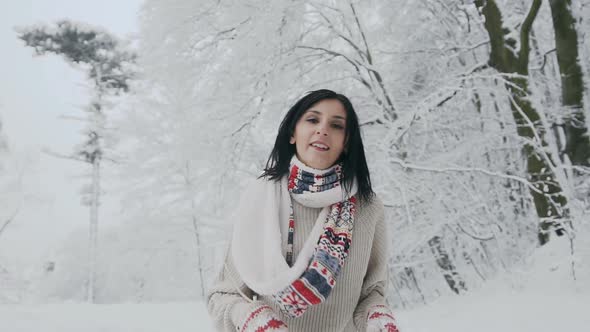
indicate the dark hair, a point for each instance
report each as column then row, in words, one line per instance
column 353, row 159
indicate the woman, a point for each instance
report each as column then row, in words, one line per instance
column 292, row 264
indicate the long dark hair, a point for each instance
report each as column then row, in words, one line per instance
column 353, row 159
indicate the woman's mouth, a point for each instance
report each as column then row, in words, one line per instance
column 320, row 146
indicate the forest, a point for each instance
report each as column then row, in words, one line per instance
column 474, row 115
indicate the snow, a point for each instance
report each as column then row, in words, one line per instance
column 496, row 309
column 541, row 297
column 461, row 177
column 68, row 317
column 493, row 309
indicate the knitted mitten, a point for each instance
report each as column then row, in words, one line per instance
column 262, row 319
column 380, row 319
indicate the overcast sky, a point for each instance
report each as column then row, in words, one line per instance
column 34, row 92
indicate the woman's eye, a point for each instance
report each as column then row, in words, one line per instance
column 312, row 120
column 337, row 126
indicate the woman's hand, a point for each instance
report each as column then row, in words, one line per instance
column 262, row 318
column 380, row 319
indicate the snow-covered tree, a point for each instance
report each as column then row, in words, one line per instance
column 108, row 64
column 577, row 144
column 456, row 112
column 511, row 58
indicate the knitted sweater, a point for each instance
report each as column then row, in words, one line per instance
column 360, row 285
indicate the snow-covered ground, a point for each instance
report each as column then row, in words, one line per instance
column 539, row 298
column 486, row 310
column 502, row 310
column 70, row 317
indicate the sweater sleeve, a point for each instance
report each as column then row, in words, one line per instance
column 226, row 306
column 376, row 278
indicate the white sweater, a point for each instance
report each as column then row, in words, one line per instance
column 361, row 284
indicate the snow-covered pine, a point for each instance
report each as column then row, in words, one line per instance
column 109, row 66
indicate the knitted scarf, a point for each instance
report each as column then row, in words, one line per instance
column 294, row 286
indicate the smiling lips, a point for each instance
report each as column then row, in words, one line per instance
column 320, row 146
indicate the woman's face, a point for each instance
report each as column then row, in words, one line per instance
column 320, row 133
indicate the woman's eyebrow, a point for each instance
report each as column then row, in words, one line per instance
column 320, row 113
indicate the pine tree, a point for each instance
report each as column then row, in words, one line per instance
column 109, row 68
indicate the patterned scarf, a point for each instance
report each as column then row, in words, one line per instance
column 316, row 283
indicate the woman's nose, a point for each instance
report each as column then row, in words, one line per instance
column 322, row 131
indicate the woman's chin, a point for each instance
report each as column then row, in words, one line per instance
column 319, row 164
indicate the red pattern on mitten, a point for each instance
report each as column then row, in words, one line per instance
column 380, row 318
column 262, row 319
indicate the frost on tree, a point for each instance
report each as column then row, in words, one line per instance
column 443, row 141
column 109, row 67
column 441, row 138
column 577, row 143
column 546, row 189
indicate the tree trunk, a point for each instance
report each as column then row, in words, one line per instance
column 547, row 194
column 93, row 243
column 196, row 228
column 199, row 256
column 412, row 276
column 443, row 260
column 577, row 145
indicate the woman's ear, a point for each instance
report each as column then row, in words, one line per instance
column 292, row 140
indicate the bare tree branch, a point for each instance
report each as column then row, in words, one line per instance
column 10, row 219
column 464, row 169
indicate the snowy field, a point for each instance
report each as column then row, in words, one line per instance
column 484, row 311
column 538, row 298
column 504, row 311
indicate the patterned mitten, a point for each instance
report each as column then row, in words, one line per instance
column 262, row 319
column 380, row 319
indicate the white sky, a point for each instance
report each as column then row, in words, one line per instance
column 34, row 92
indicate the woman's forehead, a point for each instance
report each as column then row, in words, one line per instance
column 328, row 107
